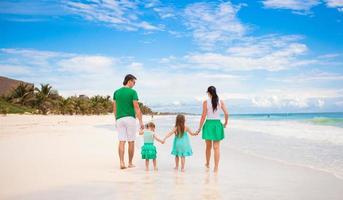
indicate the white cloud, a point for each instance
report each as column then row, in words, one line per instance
column 335, row 4
column 74, row 74
column 302, row 6
column 320, row 103
column 298, row 6
column 310, row 77
column 165, row 12
column 88, row 64
column 121, row 14
column 14, row 69
column 136, row 66
column 272, row 53
column 214, row 24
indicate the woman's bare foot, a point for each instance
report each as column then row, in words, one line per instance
column 131, row 165
column 207, row 165
column 155, row 169
column 215, row 170
column 147, row 169
column 123, row 167
column 182, row 170
column 176, row 168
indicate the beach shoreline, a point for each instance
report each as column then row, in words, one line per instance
column 75, row 157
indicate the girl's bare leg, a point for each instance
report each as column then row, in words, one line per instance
column 183, row 160
column 208, row 152
column 146, row 165
column 155, row 164
column 176, row 162
column 216, row 155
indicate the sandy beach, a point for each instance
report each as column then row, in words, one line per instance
column 75, row 157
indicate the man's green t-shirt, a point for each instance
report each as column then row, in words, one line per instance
column 124, row 98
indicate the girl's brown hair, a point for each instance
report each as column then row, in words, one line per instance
column 150, row 125
column 180, row 125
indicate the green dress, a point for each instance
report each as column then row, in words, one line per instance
column 148, row 150
column 182, row 146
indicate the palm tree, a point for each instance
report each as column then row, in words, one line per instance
column 66, row 106
column 23, row 95
column 45, row 97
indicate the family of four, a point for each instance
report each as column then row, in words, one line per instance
column 126, row 110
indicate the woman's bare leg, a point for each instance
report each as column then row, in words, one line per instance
column 208, row 152
column 155, row 164
column 216, row 154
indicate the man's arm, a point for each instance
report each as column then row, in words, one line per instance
column 114, row 107
column 138, row 113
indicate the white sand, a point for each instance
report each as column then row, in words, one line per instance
column 72, row 157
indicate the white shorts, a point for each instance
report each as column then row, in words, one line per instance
column 126, row 129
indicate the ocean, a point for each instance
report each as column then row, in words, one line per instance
column 330, row 119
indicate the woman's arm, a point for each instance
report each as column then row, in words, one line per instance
column 158, row 139
column 191, row 132
column 169, row 134
column 141, row 131
column 226, row 113
column 203, row 115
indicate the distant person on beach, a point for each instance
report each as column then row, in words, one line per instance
column 148, row 150
column 126, row 110
column 181, row 145
column 213, row 129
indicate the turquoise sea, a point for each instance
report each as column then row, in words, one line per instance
column 330, row 119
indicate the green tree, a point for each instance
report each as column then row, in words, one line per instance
column 23, row 95
column 45, row 98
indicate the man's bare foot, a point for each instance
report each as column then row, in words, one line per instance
column 131, row 166
column 215, row 170
column 123, row 167
column 207, row 165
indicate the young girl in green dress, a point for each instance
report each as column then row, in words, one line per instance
column 181, row 145
column 148, row 150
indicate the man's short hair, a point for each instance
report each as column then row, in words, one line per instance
column 128, row 78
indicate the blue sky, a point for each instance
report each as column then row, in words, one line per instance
column 263, row 56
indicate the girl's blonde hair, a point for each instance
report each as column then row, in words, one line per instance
column 180, row 125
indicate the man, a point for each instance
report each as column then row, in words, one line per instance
column 126, row 110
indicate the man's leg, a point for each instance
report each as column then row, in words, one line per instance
column 131, row 137
column 131, row 153
column 121, row 151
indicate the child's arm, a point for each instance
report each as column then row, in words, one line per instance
column 158, row 139
column 169, row 134
column 191, row 132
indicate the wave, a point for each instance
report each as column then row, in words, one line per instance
column 327, row 121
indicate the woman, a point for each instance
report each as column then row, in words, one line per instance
column 213, row 129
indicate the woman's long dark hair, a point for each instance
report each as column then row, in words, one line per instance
column 214, row 97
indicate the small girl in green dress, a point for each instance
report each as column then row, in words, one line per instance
column 148, row 150
column 181, row 145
